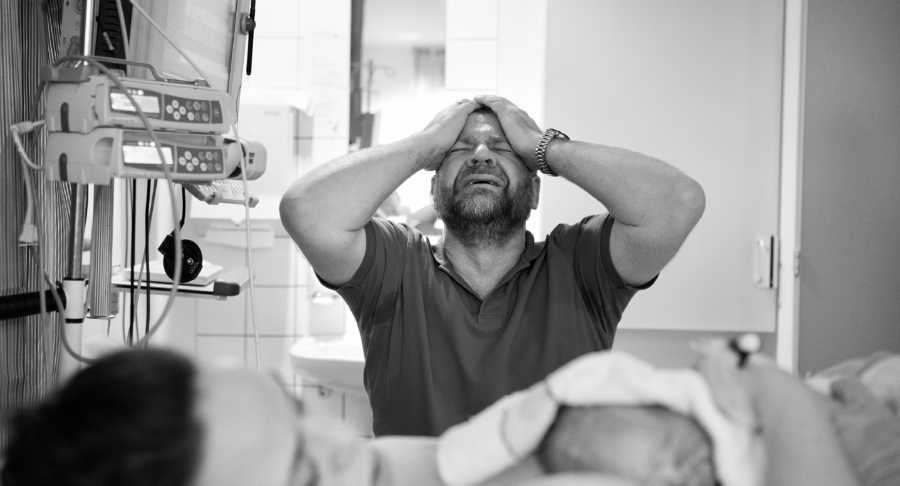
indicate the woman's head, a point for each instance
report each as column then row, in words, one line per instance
column 151, row 417
column 129, row 419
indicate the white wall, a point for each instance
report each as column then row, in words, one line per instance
column 849, row 296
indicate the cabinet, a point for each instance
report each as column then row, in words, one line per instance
column 697, row 84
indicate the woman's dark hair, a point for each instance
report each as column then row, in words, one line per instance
column 127, row 419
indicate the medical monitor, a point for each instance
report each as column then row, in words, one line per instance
column 211, row 32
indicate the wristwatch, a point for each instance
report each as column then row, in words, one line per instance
column 540, row 151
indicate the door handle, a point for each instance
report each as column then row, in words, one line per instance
column 764, row 262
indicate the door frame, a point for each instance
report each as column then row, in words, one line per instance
column 790, row 183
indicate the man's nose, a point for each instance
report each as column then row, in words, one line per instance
column 483, row 155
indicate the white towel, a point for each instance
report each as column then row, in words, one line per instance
column 513, row 427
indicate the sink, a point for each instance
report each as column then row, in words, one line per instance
column 334, row 363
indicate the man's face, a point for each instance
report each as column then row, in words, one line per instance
column 482, row 183
column 255, row 433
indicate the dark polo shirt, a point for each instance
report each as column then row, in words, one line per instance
column 436, row 353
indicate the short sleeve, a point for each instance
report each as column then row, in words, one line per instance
column 372, row 290
column 603, row 288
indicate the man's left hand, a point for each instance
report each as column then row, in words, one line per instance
column 521, row 131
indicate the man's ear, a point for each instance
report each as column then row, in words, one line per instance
column 535, row 190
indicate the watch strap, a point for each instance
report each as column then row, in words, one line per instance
column 540, row 151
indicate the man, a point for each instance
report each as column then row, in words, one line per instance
column 449, row 329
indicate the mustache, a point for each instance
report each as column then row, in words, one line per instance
column 481, row 170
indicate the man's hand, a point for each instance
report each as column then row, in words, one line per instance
column 441, row 133
column 521, row 131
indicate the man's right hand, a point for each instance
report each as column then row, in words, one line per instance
column 441, row 133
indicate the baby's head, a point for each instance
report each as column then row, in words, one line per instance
column 647, row 444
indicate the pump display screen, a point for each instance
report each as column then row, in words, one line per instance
column 149, row 104
column 145, row 155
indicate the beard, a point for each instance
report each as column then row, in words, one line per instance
column 483, row 217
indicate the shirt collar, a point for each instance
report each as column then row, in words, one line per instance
column 529, row 254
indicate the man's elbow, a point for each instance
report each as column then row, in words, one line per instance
column 689, row 203
column 290, row 209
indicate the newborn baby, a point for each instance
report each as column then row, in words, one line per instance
column 646, row 444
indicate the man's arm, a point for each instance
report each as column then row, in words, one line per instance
column 655, row 205
column 326, row 210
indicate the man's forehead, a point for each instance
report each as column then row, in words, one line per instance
column 482, row 126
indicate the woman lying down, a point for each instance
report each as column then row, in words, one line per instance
column 150, row 417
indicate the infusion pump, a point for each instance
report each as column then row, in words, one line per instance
column 79, row 100
column 95, row 133
column 104, row 153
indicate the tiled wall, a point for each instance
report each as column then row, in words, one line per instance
column 498, row 51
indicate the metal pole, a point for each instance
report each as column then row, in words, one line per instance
column 74, row 283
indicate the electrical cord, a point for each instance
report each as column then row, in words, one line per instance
column 28, row 236
column 146, row 260
column 149, row 199
column 145, row 265
column 248, row 255
column 133, row 234
column 183, row 206
column 20, row 128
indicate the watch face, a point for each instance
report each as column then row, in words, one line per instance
column 559, row 134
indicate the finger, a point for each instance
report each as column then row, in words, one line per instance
column 465, row 106
column 714, row 348
column 719, row 349
column 460, row 104
column 471, row 105
column 493, row 100
column 497, row 104
column 720, row 374
column 851, row 391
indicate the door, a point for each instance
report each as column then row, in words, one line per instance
column 697, row 84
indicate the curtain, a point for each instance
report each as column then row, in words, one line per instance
column 30, row 33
